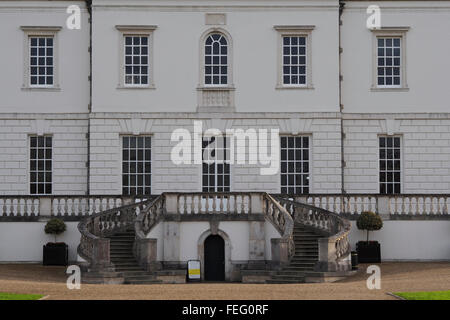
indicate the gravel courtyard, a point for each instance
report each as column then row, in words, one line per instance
column 395, row 277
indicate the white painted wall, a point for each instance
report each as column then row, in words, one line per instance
column 106, row 152
column 72, row 56
column 158, row 233
column 176, row 51
column 23, row 241
column 69, row 153
column 427, row 65
column 400, row 240
column 425, row 154
column 409, row 240
column 270, row 233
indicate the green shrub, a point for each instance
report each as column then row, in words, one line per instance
column 369, row 221
column 55, row 226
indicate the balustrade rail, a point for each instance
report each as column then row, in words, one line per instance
column 212, row 203
column 94, row 246
column 282, row 220
column 402, row 204
column 61, row 206
column 336, row 246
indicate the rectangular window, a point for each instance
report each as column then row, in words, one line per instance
column 216, row 166
column 389, row 61
column 136, row 165
column 390, row 170
column 294, row 60
column 40, row 165
column 294, row 164
column 41, row 61
column 136, row 60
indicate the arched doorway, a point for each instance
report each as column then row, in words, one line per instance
column 214, row 256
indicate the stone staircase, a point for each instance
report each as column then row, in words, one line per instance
column 121, row 254
column 305, row 257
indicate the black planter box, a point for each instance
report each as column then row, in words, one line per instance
column 55, row 254
column 368, row 252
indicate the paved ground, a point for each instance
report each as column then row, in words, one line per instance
column 399, row 276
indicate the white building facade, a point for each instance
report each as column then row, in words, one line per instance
column 90, row 113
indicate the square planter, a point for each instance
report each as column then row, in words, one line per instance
column 55, row 254
column 368, row 252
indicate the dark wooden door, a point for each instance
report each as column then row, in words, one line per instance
column 214, row 258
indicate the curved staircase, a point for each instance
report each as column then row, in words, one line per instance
column 121, row 255
column 305, row 257
column 313, row 243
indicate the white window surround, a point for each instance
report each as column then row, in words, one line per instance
column 294, row 30
column 135, row 30
column 390, row 32
column 204, row 36
column 215, row 98
column 40, row 31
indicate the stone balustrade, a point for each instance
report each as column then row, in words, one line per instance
column 21, row 207
column 334, row 247
column 94, row 229
column 69, row 207
column 209, row 203
column 402, row 204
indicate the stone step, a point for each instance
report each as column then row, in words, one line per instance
column 290, row 272
column 121, row 252
column 140, row 277
column 128, row 269
column 116, row 259
column 303, row 259
column 140, row 272
column 297, row 263
column 288, row 277
column 127, row 255
column 120, row 246
column 143, row 281
column 283, row 281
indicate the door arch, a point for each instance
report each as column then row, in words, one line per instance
column 214, row 256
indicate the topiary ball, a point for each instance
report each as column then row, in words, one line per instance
column 369, row 221
column 55, row 226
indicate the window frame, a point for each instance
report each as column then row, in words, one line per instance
column 230, row 84
column 29, row 164
column 141, row 30
column 40, row 31
column 121, row 136
column 389, row 32
column 230, row 144
column 310, row 174
column 294, row 31
column 379, row 159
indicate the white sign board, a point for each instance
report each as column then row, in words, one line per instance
column 194, row 270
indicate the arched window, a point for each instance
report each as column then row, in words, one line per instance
column 216, row 60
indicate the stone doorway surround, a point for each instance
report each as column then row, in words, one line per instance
column 214, row 230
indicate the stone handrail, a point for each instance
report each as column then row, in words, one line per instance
column 23, row 207
column 209, row 203
column 19, row 206
column 149, row 217
column 63, row 206
column 334, row 248
column 401, row 204
column 282, row 249
column 145, row 248
column 94, row 246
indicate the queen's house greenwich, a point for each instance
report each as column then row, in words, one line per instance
column 247, row 136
